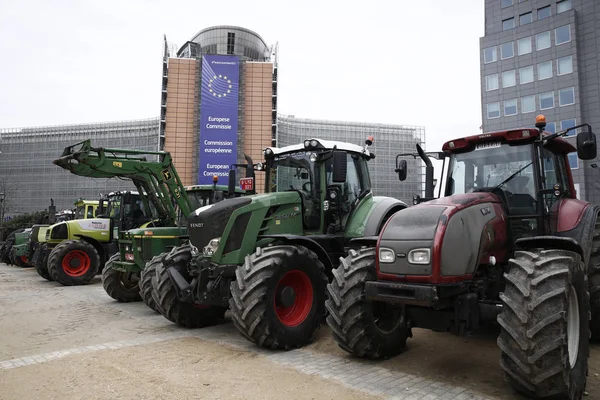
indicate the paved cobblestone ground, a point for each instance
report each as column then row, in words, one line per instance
column 36, row 316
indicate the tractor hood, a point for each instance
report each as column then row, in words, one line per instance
column 444, row 239
column 239, row 221
column 98, row 228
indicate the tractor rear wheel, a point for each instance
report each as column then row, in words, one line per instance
column 180, row 312
column 278, row 298
column 121, row 286
column 594, row 280
column 544, row 337
column 366, row 329
column 145, row 283
column 41, row 264
column 73, row 262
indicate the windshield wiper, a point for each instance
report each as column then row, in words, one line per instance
column 512, row 176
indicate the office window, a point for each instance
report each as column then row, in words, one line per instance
column 526, row 18
column 566, row 97
column 546, row 100
column 550, row 127
column 564, row 65
column 527, row 104
column 563, row 34
column 543, row 13
column 507, row 3
column 542, row 41
column 491, row 82
column 510, row 107
column 508, row 78
column 544, row 70
column 526, row 75
column 563, row 6
column 493, row 110
column 490, row 55
column 507, row 50
column 524, row 46
column 568, row 123
column 573, row 160
column 508, row 24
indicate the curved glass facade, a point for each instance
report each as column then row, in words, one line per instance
column 227, row 40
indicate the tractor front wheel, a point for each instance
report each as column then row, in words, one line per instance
column 278, row 298
column 544, row 336
column 180, row 312
column 145, row 283
column 121, row 286
column 21, row 261
column 73, row 262
column 366, row 329
column 594, row 281
column 41, row 264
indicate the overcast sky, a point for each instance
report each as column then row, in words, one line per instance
column 400, row 62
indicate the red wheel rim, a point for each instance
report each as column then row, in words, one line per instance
column 76, row 263
column 296, row 313
column 24, row 259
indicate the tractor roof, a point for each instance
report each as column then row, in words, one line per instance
column 519, row 136
column 323, row 144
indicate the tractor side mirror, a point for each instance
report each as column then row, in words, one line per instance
column 340, row 167
column 401, row 169
column 586, row 145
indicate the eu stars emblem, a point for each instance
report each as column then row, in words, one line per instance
column 219, row 86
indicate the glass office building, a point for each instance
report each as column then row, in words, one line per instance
column 32, row 179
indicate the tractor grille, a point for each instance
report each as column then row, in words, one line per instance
column 211, row 223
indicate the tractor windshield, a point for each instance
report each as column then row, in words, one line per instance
column 498, row 168
column 80, row 212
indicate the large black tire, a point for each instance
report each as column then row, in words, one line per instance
column 8, row 244
column 545, row 312
column 73, row 262
column 121, row 286
column 145, row 283
column 182, row 313
column 594, row 281
column 41, row 264
column 21, row 261
column 270, row 279
column 366, row 329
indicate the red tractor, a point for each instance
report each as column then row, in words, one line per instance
column 507, row 241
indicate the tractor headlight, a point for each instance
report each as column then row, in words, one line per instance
column 386, row 255
column 419, row 256
column 212, row 247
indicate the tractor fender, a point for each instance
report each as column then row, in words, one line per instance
column 550, row 242
column 384, row 208
column 582, row 228
column 309, row 244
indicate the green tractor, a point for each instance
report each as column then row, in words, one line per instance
column 19, row 252
column 76, row 250
column 159, row 185
column 268, row 257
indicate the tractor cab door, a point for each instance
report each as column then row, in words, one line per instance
column 553, row 175
column 342, row 197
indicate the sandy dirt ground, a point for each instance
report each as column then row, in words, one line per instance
column 37, row 317
column 179, row 369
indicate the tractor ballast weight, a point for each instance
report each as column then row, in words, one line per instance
column 509, row 243
column 268, row 257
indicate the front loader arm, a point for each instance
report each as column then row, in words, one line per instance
column 159, row 179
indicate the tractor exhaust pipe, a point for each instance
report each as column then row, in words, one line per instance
column 428, row 172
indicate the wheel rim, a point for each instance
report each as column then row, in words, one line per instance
column 299, row 285
column 573, row 327
column 24, row 259
column 126, row 282
column 386, row 317
column 76, row 263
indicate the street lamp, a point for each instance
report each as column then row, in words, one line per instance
column 1, row 215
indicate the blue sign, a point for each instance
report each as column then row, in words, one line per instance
column 218, row 117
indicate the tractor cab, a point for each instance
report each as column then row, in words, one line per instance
column 330, row 177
